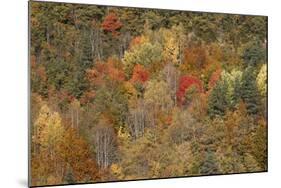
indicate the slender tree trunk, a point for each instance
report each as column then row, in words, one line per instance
column 77, row 119
column 48, row 34
column 72, row 118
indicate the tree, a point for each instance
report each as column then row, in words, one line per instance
column 214, row 78
column 260, row 144
column 79, row 162
column 112, row 37
column 251, row 164
column 146, row 54
column 195, row 58
column 140, row 75
column 173, row 44
column 154, row 89
column 58, row 73
column 226, row 92
column 74, row 113
column 59, row 154
column 86, row 49
column 155, row 105
column 136, row 156
column 229, row 161
column 249, row 90
column 183, row 128
column 132, row 20
column 188, row 85
column 233, row 26
column 111, row 24
column 262, row 80
column 105, row 143
column 47, row 136
column 38, row 78
column 254, row 53
column 209, row 165
column 217, row 103
column 233, row 81
column 171, row 74
column 206, row 27
column 137, row 119
column 48, row 130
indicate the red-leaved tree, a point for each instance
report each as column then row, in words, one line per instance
column 186, row 83
column 111, row 24
column 140, row 74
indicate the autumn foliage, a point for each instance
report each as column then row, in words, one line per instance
column 140, row 74
column 214, row 78
column 111, row 24
column 126, row 93
column 185, row 83
column 110, row 69
column 195, row 57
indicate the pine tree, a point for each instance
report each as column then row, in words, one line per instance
column 218, row 100
column 69, row 178
column 86, row 48
column 254, row 53
column 209, row 165
column 249, row 90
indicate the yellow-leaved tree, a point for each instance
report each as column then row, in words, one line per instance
column 262, row 80
column 47, row 137
column 59, row 154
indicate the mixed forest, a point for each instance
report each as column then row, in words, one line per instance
column 127, row 93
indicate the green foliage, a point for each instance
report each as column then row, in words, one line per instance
column 86, row 58
column 209, row 165
column 249, row 91
column 57, row 73
column 229, row 90
column 262, row 80
column 260, row 146
column 254, row 53
column 154, row 89
column 218, row 102
column 146, row 54
column 233, row 81
column 127, row 93
column 111, row 102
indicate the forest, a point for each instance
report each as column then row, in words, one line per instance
column 122, row 93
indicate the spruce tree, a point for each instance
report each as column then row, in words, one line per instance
column 218, row 101
column 209, row 165
column 86, row 48
column 249, row 90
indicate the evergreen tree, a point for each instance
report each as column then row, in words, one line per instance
column 69, row 178
column 86, row 47
column 209, row 165
column 249, row 90
column 236, row 91
column 254, row 53
column 218, row 100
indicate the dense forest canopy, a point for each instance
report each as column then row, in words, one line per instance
column 128, row 93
